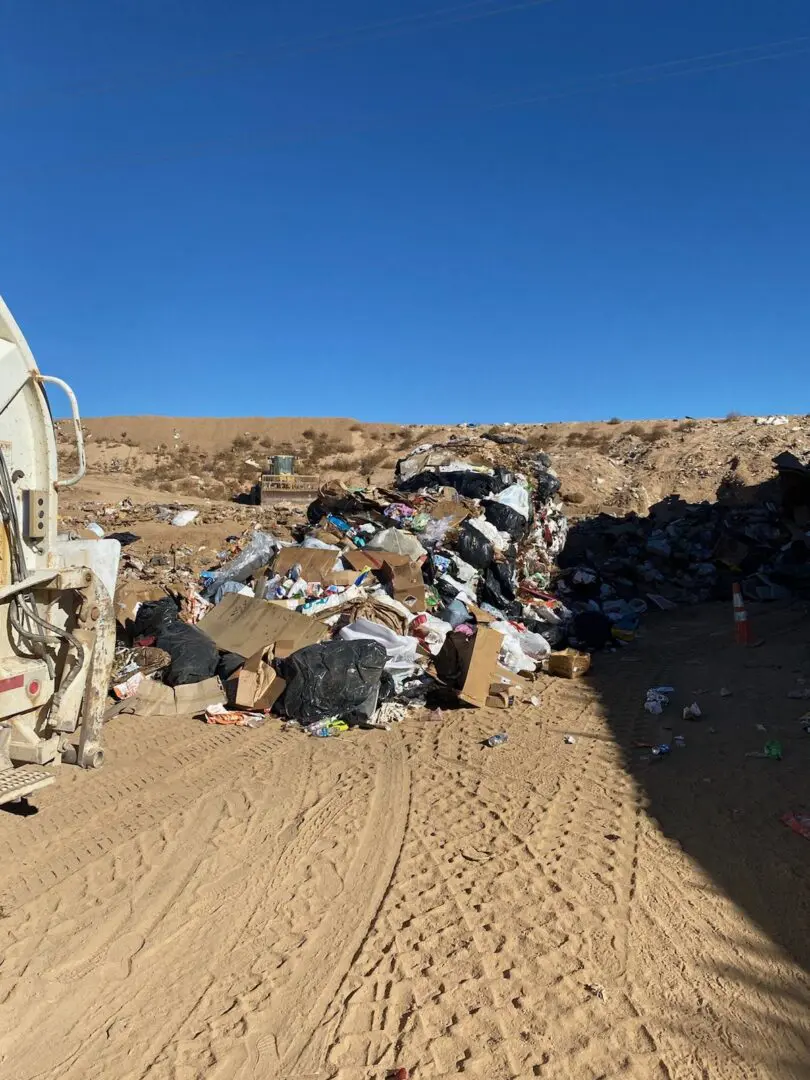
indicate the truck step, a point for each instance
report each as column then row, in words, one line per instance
column 14, row 783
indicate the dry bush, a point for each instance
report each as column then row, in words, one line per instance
column 310, row 433
column 356, row 427
column 343, row 463
column 584, row 438
column 638, row 430
column 369, row 462
column 242, row 442
column 655, row 434
column 614, row 420
column 687, row 425
column 733, row 416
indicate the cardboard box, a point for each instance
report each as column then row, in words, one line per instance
column 407, row 584
column 359, row 559
column 256, row 686
column 246, row 626
column 157, row 699
column 569, row 663
column 470, row 665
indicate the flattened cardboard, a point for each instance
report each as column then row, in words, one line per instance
column 257, row 686
column 131, row 593
column 157, row 699
column 481, row 617
column 316, row 564
column 244, row 625
column 483, row 667
column 448, row 508
column 407, row 584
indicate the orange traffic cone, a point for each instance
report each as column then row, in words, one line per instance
column 742, row 628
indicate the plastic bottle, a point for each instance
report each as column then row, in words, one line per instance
column 497, row 740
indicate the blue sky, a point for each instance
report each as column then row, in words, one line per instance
column 263, row 208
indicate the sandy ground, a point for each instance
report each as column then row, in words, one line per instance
column 245, row 905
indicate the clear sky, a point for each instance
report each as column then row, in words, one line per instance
column 411, row 210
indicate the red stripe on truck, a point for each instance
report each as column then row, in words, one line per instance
column 13, row 683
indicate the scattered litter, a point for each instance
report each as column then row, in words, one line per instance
column 798, row 821
column 725, row 692
column 221, row 714
column 657, row 698
column 771, row 749
column 692, row 712
column 569, row 739
column 185, row 517
column 595, row 990
column 497, row 740
column 95, row 529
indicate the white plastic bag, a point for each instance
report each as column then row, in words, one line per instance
column 517, row 497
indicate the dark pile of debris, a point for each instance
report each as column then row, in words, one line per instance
column 686, row 554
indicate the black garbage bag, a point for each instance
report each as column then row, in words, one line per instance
column 497, row 590
column 471, row 485
column 593, row 629
column 229, row 662
column 546, row 486
column 334, row 678
column 153, row 616
column 194, row 655
column 506, row 519
column 474, row 548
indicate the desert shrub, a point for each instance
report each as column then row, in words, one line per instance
column 733, row 416
column 638, row 430
column 687, row 425
column 342, row 463
column 356, row 427
column 584, row 438
column 369, row 462
column 614, row 420
column 242, row 442
column 655, row 434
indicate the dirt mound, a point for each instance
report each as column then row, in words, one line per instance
column 613, row 467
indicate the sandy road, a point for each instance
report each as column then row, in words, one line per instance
column 237, row 905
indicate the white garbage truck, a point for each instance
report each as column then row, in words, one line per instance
column 57, row 626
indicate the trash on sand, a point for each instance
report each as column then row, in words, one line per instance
column 771, row 749
column 692, row 712
column 497, row 740
column 221, row 714
column 725, row 692
column 798, row 821
column 655, row 700
column 185, row 517
column 96, row 529
column 595, row 990
column 569, row 739
column 569, row 663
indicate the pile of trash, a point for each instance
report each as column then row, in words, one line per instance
column 442, row 583
column 684, row 554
